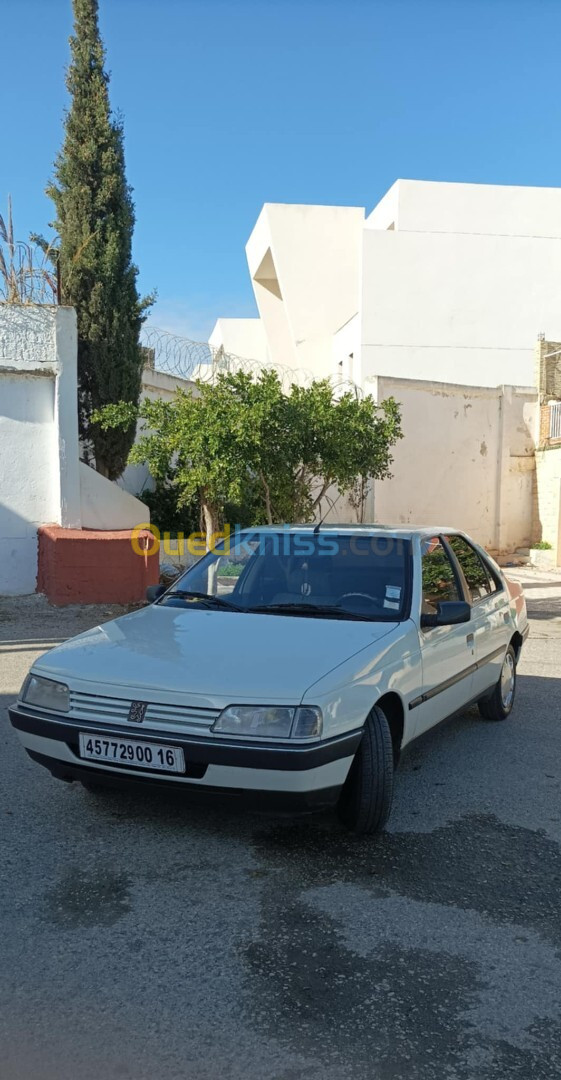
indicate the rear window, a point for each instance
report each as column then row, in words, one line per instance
column 479, row 579
column 439, row 582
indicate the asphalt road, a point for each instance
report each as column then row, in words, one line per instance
column 147, row 940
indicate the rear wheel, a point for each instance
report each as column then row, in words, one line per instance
column 499, row 703
column 366, row 799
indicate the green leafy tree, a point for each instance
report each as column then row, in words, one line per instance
column 341, row 442
column 95, row 220
column 242, row 440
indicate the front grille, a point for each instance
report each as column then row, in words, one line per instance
column 113, row 710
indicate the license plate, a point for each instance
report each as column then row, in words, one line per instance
column 143, row 755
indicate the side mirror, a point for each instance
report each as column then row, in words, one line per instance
column 154, row 592
column 448, row 613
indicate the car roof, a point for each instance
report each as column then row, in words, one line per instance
column 404, row 531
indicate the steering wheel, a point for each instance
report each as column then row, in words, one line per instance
column 364, row 596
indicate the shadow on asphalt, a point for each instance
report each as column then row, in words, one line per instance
column 529, row 585
column 546, row 607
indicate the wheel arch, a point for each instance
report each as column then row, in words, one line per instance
column 517, row 641
column 392, row 706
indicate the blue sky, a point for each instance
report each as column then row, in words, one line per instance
column 230, row 105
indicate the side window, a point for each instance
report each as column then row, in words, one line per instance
column 439, row 580
column 478, row 578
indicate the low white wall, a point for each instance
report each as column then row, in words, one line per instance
column 39, row 480
column 105, row 505
column 466, row 460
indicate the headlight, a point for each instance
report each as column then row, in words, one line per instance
column 45, row 694
column 270, row 722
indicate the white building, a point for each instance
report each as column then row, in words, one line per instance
column 241, row 337
column 436, row 297
column 446, row 282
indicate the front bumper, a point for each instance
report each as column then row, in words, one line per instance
column 309, row 775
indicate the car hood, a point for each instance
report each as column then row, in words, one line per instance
column 210, row 654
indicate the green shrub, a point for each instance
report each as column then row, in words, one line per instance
column 232, row 570
column 542, row 545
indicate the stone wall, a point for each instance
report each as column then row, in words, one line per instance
column 548, row 370
column 547, row 499
column 466, row 460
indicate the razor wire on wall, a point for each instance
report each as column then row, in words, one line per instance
column 197, row 361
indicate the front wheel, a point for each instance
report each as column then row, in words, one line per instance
column 499, row 703
column 366, row 799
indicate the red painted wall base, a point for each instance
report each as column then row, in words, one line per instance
column 84, row 566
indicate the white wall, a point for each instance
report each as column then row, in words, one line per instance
column 241, row 337
column 304, row 263
column 466, row 460
column 39, row 480
column 66, row 416
column 385, row 214
column 463, row 284
column 457, row 308
column 29, row 477
column 493, row 209
column 346, row 352
column 107, row 506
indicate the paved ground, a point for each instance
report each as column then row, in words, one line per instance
column 144, row 940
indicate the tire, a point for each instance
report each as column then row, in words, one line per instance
column 366, row 799
column 498, row 704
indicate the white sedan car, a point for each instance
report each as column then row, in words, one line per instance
column 292, row 662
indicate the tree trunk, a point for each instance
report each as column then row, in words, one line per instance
column 324, row 489
column 211, row 519
column 101, row 468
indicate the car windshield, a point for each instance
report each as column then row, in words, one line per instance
column 319, row 575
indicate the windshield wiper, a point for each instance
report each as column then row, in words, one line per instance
column 207, row 599
column 331, row 610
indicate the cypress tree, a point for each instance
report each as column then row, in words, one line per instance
column 95, row 221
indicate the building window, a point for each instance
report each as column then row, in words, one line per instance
column 555, row 420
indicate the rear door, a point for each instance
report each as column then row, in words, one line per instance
column 490, row 612
column 447, row 652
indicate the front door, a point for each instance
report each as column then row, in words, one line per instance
column 490, row 613
column 447, row 652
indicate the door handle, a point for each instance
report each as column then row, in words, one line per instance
column 470, row 639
